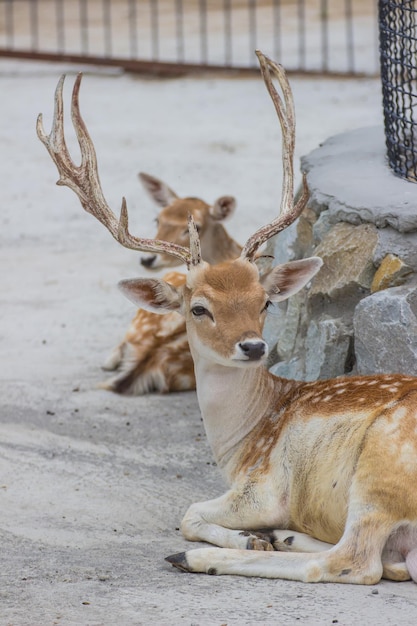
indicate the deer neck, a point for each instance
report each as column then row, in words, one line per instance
column 232, row 402
column 217, row 246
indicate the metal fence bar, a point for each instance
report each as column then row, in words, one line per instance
column 299, row 34
column 84, row 26
column 252, row 27
column 277, row 20
column 133, row 32
column 349, row 35
column 324, row 14
column 60, row 25
column 34, row 24
column 106, row 8
column 9, row 22
column 227, row 32
column 179, row 22
column 153, row 4
column 203, row 32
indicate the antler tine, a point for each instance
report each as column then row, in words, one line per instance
column 286, row 115
column 195, row 247
column 84, row 179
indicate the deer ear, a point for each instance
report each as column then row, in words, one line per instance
column 157, row 189
column 152, row 294
column 285, row 280
column 223, row 208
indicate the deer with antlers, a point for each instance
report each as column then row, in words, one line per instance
column 322, row 475
column 154, row 353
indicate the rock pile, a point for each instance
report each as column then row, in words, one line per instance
column 360, row 314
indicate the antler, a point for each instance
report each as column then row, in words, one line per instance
column 285, row 110
column 85, row 182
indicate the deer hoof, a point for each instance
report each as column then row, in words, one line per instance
column 179, row 561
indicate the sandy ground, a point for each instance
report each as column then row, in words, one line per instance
column 93, row 486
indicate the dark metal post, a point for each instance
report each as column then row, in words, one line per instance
column 398, row 57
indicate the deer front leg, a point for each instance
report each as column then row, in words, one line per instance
column 355, row 559
column 230, row 521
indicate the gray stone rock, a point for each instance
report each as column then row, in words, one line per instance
column 403, row 245
column 347, row 252
column 280, row 246
column 293, row 369
column 385, row 327
column 328, row 349
column 349, row 177
column 273, row 329
column 287, row 339
column 360, row 219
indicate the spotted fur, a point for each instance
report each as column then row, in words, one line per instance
column 322, row 475
column 154, row 355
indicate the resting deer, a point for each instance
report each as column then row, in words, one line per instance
column 322, row 475
column 216, row 243
column 154, row 354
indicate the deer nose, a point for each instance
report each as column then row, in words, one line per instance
column 253, row 350
column 147, row 261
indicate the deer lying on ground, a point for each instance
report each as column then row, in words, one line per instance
column 322, row 475
column 154, row 354
column 172, row 221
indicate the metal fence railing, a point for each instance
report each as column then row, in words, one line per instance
column 328, row 36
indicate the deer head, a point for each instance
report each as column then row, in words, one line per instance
column 225, row 305
column 172, row 224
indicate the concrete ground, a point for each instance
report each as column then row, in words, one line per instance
column 93, row 486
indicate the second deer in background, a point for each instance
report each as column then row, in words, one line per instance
column 154, row 353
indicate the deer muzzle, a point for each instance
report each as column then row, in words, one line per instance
column 252, row 350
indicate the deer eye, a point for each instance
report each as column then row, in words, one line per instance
column 267, row 304
column 198, row 311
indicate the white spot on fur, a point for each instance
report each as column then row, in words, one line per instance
column 328, row 397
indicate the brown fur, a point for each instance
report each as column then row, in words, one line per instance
column 149, row 359
column 329, row 467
